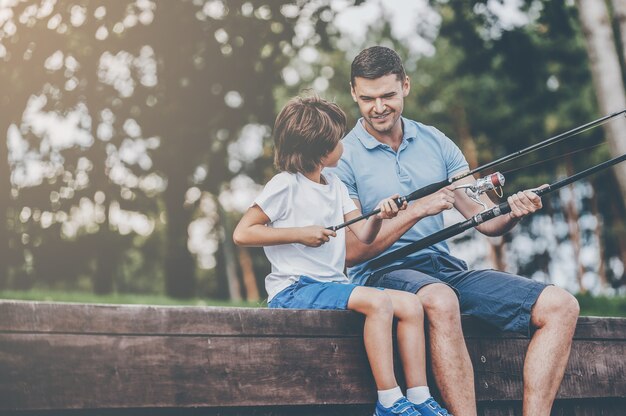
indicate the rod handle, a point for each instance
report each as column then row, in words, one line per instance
column 427, row 190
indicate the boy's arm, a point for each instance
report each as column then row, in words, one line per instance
column 252, row 231
column 366, row 231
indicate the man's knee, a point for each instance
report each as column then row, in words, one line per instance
column 440, row 302
column 557, row 306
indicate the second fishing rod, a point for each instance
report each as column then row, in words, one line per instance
column 434, row 187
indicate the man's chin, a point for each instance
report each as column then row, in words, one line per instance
column 382, row 127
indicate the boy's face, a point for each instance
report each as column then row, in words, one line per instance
column 380, row 101
column 332, row 158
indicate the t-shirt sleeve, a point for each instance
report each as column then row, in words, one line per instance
column 275, row 197
column 347, row 204
column 455, row 161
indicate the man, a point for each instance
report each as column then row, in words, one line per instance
column 386, row 153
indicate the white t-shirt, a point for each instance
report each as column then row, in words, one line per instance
column 293, row 200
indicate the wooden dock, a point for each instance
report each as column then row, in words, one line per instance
column 155, row 360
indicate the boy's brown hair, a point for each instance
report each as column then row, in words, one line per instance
column 306, row 130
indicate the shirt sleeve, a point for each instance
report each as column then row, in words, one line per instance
column 275, row 197
column 347, row 204
column 455, row 161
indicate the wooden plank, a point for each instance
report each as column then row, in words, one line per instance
column 588, row 407
column 595, row 369
column 51, row 317
column 83, row 371
column 75, row 356
column 56, row 371
column 72, row 318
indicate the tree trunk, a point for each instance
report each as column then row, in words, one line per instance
column 572, row 217
column 597, row 232
column 228, row 250
column 5, row 200
column 106, row 257
column 497, row 245
column 249, row 278
column 607, row 76
column 620, row 235
column 180, row 266
column 619, row 11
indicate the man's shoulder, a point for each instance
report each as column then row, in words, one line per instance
column 420, row 129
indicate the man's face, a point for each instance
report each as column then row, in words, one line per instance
column 380, row 101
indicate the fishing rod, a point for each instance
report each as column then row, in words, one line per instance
column 434, row 187
column 496, row 211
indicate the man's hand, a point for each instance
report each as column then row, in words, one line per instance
column 435, row 203
column 524, row 203
column 315, row 235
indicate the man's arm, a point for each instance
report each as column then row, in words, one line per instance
column 522, row 203
column 392, row 229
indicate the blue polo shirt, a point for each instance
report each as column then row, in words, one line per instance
column 373, row 171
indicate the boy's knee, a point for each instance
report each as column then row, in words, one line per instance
column 409, row 306
column 380, row 303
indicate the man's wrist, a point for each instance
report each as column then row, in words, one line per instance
column 514, row 219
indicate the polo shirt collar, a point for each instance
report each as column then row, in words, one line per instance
column 369, row 142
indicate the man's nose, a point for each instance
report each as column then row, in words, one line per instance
column 379, row 105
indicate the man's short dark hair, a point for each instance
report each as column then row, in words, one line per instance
column 376, row 62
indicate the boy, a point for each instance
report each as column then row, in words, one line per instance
column 289, row 218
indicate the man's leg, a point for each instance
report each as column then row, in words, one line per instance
column 450, row 359
column 554, row 315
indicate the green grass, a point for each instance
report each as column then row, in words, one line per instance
column 602, row 305
column 129, row 299
column 589, row 305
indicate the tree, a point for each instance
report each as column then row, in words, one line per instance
column 607, row 75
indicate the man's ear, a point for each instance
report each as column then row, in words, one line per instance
column 406, row 86
column 352, row 92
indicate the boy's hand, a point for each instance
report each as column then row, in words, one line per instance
column 315, row 235
column 389, row 208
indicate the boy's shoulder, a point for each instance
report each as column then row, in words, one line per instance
column 282, row 179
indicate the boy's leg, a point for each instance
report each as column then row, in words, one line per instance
column 450, row 359
column 376, row 305
column 407, row 308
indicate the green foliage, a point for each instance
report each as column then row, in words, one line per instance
column 219, row 67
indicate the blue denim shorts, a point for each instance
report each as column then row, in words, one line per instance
column 308, row 293
column 502, row 299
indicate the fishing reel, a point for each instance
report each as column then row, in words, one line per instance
column 494, row 182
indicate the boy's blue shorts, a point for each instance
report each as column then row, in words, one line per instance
column 501, row 299
column 309, row 293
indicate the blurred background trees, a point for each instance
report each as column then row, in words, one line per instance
column 137, row 132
